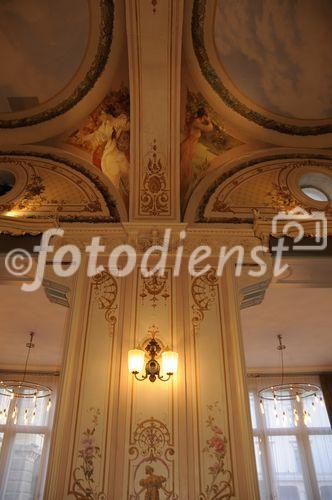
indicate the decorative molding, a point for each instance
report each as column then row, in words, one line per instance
column 20, row 155
column 203, row 291
column 105, row 292
column 98, row 64
column 211, row 76
column 295, row 159
column 154, row 196
column 56, row 293
column 152, row 444
column 154, row 287
column 154, row 4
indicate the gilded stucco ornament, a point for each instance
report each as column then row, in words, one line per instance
column 152, row 453
column 154, row 195
column 105, row 292
column 40, row 198
column 204, row 292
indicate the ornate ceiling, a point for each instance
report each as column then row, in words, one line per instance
column 158, row 123
column 278, row 54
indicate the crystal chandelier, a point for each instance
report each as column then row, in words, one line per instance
column 295, row 391
column 20, row 389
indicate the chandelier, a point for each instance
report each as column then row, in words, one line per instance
column 20, row 389
column 295, row 391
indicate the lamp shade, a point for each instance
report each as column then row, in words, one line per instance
column 136, row 360
column 170, row 361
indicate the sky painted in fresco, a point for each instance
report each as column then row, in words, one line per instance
column 42, row 43
column 279, row 53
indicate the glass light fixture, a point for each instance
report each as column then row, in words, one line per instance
column 296, row 391
column 170, row 362
column 136, row 360
column 21, row 388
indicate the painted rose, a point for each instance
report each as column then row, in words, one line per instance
column 217, row 443
column 216, row 429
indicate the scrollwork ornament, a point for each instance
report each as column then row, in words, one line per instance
column 106, row 291
column 155, row 193
column 203, row 291
column 152, row 444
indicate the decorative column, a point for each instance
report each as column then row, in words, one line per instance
column 154, row 31
column 223, row 451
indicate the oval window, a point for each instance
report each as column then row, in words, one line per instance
column 314, row 193
column 316, row 186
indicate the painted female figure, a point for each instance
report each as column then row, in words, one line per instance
column 152, row 484
column 201, row 122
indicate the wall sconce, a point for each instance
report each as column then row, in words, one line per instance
column 136, row 360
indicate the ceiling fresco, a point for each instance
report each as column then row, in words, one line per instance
column 204, row 140
column 44, row 44
column 105, row 136
column 278, row 53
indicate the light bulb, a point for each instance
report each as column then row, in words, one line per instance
column 49, row 404
column 261, row 407
column 136, row 360
column 297, row 397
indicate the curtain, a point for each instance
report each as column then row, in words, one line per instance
column 326, row 384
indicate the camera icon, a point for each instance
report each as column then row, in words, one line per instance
column 293, row 224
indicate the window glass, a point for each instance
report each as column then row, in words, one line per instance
column 4, row 407
column 252, row 410
column 318, row 413
column 259, row 465
column 33, row 413
column 278, row 414
column 24, row 466
column 287, row 466
column 321, row 447
column 315, row 194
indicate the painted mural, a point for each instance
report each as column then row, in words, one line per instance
column 44, row 44
column 105, row 135
column 278, row 53
column 204, row 140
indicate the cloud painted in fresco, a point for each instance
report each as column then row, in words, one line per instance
column 42, row 43
column 279, row 53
